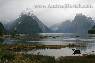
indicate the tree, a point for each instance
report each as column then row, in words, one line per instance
column 2, row 29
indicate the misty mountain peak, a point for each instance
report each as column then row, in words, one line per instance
column 80, row 24
column 28, row 23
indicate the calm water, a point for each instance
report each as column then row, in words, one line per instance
column 60, row 39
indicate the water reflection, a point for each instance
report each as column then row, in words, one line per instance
column 87, row 40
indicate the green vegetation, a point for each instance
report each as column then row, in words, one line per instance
column 92, row 31
column 2, row 30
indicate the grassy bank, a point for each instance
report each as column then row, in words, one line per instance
column 7, row 56
column 27, row 58
column 76, row 59
column 11, row 57
column 17, row 47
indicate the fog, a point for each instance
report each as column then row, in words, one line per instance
column 11, row 9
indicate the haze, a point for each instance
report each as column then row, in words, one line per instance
column 11, row 9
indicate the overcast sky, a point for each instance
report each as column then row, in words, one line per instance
column 11, row 9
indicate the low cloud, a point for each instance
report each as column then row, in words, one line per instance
column 11, row 9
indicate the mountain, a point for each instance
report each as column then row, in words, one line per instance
column 2, row 29
column 28, row 23
column 80, row 24
column 62, row 27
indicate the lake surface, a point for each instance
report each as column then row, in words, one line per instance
column 87, row 40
